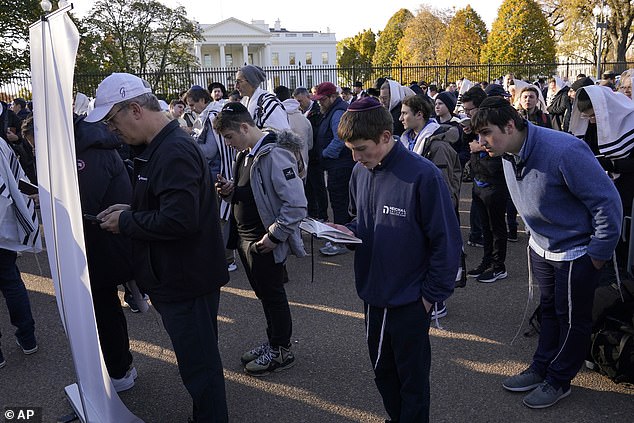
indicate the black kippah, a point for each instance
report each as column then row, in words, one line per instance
column 364, row 104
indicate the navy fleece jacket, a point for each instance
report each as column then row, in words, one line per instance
column 411, row 238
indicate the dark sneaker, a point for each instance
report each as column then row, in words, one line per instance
column 478, row 244
column 131, row 303
column 331, row 249
column 474, row 273
column 128, row 301
column 255, row 353
column 525, row 381
column 544, row 396
column 126, row 382
column 492, row 275
column 439, row 310
column 28, row 349
column 273, row 360
column 3, row 362
column 512, row 237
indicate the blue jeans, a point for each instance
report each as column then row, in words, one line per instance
column 338, row 190
column 17, row 299
column 567, row 293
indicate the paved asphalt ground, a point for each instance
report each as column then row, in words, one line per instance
column 332, row 380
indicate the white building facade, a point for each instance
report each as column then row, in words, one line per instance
column 232, row 43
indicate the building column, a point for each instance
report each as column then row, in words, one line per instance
column 245, row 53
column 198, row 53
column 267, row 54
column 223, row 61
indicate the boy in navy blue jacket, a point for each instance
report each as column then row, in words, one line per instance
column 409, row 256
column 573, row 213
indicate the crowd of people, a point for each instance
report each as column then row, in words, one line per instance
column 181, row 190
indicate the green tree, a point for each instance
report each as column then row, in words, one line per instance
column 422, row 36
column 138, row 36
column 464, row 37
column 389, row 38
column 520, row 34
column 15, row 19
column 354, row 56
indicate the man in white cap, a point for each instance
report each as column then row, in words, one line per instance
column 174, row 227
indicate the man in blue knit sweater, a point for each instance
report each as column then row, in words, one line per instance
column 574, row 215
column 403, row 213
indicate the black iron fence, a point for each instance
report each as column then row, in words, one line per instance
column 171, row 83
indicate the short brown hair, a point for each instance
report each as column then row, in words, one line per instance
column 365, row 125
column 419, row 104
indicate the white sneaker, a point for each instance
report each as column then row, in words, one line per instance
column 126, row 382
column 232, row 267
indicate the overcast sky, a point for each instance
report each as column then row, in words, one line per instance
column 344, row 17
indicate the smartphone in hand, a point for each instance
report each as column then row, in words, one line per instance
column 92, row 218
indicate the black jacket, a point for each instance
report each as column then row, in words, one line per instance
column 103, row 181
column 487, row 169
column 174, row 225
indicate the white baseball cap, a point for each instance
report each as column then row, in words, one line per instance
column 114, row 89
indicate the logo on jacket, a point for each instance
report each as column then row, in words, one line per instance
column 394, row 211
column 80, row 164
column 289, row 173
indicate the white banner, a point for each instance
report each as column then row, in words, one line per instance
column 54, row 41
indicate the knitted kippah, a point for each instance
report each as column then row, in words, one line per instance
column 364, row 104
column 196, row 87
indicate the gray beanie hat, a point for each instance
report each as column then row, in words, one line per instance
column 253, row 74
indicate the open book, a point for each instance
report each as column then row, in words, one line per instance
column 321, row 230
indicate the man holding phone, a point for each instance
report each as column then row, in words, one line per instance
column 174, row 227
column 268, row 203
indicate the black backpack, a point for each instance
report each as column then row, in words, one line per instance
column 613, row 337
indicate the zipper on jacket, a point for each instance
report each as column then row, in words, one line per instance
column 261, row 181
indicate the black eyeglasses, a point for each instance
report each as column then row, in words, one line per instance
column 108, row 120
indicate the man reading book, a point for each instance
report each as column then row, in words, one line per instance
column 402, row 212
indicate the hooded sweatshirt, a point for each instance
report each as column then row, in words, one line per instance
column 300, row 125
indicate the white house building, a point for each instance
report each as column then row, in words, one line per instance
column 232, row 43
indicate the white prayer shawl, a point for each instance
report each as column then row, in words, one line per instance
column 422, row 137
column 19, row 225
column 398, row 92
column 227, row 154
column 466, row 85
column 81, row 104
column 559, row 84
column 519, row 86
column 267, row 111
column 615, row 121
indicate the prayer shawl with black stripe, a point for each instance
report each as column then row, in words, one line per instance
column 614, row 113
column 227, row 154
column 267, row 111
column 19, row 225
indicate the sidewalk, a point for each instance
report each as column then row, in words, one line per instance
column 333, row 379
